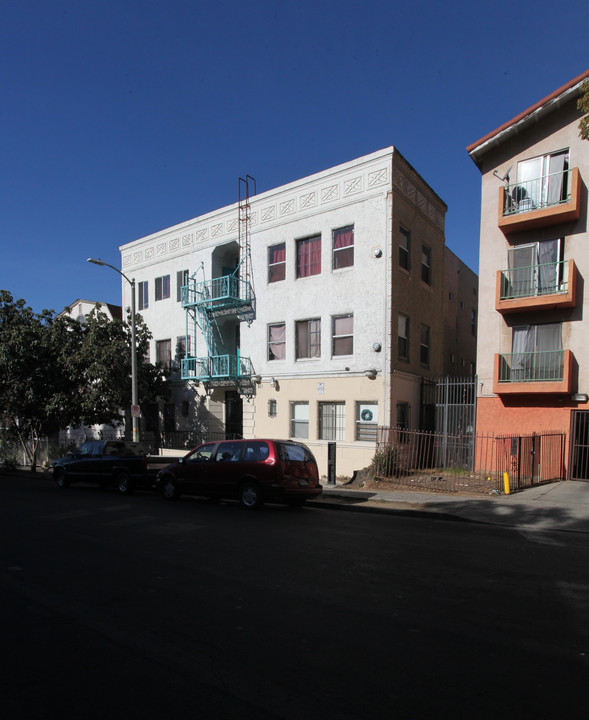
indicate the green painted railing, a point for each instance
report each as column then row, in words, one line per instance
column 544, row 366
column 228, row 290
column 216, row 367
column 542, row 192
column 534, row 280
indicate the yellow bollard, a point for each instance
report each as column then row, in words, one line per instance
column 506, row 482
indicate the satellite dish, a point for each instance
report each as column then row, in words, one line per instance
column 505, row 177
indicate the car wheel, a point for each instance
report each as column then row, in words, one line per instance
column 125, row 485
column 250, row 496
column 169, row 488
column 61, row 479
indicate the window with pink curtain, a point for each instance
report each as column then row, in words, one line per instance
column 277, row 341
column 343, row 247
column 309, row 256
column 276, row 263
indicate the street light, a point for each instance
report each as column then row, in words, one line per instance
column 134, row 416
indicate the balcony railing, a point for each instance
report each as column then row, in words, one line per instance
column 548, row 371
column 542, row 192
column 544, row 366
column 543, row 286
column 216, row 367
column 542, row 201
column 225, row 291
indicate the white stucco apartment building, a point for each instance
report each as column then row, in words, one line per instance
column 333, row 317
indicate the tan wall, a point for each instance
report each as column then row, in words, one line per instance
column 351, row 454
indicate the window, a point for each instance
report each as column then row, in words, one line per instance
column 366, row 421
column 163, row 353
column 403, row 337
column 277, row 341
column 403, row 421
column 541, row 181
column 276, row 263
column 473, row 322
column 426, row 264
column 308, row 339
column 162, row 287
column 299, row 420
column 143, row 300
column 182, row 347
column 272, row 408
column 332, row 420
column 424, row 345
column 534, row 269
column 343, row 335
column 404, row 248
column 537, row 352
column 343, row 247
column 309, row 256
column 181, row 280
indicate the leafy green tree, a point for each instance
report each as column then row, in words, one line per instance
column 583, row 104
column 55, row 371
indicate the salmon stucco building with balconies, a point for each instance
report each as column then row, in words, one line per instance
column 533, row 353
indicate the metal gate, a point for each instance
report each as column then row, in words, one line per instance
column 579, row 445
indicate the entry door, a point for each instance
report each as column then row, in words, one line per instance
column 233, row 414
column 579, row 445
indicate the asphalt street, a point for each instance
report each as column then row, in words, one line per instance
column 115, row 606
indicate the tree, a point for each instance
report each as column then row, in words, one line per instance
column 583, row 104
column 55, row 371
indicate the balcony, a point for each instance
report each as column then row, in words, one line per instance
column 226, row 295
column 218, row 370
column 547, row 200
column 537, row 287
column 535, row 372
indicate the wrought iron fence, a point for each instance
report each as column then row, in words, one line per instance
column 534, row 280
column 542, row 366
column 537, row 193
column 467, row 462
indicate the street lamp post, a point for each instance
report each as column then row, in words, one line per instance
column 134, row 402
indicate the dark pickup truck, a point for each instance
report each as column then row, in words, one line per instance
column 121, row 463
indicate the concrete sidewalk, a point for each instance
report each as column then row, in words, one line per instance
column 560, row 506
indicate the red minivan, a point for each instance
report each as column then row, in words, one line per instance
column 252, row 471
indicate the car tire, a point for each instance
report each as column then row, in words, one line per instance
column 61, row 478
column 125, row 484
column 250, row 495
column 169, row 488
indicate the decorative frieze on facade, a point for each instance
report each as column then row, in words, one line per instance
column 332, row 193
column 412, row 193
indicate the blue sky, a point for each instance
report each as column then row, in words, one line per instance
column 123, row 117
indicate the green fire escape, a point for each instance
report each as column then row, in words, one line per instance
column 209, row 301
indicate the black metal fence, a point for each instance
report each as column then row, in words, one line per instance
column 466, row 462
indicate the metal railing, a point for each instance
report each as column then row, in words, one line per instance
column 220, row 290
column 545, row 191
column 467, row 463
column 544, row 366
column 534, row 280
column 216, row 367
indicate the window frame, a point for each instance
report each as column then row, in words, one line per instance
column 273, row 266
column 274, row 343
column 424, row 345
column 300, row 423
column 337, row 430
column 143, row 295
column 405, row 338
column 405, row 252
column 311, row 333
column 340, row 254
column 181, row 280
column 162, row 288
column 426, row 265
column 337, row 339
column 159, row 344
column 313, row 268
